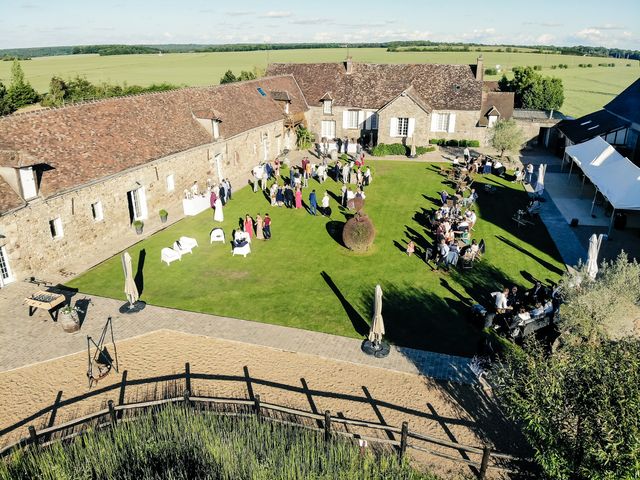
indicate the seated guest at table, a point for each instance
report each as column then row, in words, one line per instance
column 473, row 166
column 520, row 318
column 498, row 168
column 535, row 293
column 471, row 217
column 443, row 197
column 548, row 307
column 501, row 305
column 456, row 160
column 441, row 254
column 487, row 167
column 450, row 236
column 513, row 299
column 538, row 310
column 470, row 200
column 454, row 211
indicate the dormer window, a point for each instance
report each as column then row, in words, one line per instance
column 28, row 183
column 326, row 107
column 286, row 108
column 216, row 129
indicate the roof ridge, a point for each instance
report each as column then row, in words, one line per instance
column 42, row 110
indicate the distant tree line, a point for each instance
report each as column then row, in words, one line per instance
column 396, row 46
column 230, row 77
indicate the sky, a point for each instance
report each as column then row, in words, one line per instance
column 36, row 23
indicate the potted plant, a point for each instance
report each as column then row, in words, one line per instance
column 68, row 316
column 138, row 224
column 163, row 215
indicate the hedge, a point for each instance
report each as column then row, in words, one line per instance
column 454, row 143
column 383, row 150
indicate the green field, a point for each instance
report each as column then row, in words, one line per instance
column 304, row 278
column 587, row 89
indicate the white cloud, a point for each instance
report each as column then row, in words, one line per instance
column 273, row 14
column 545, row 39
column 238, row 13
column 609, row 26
column 167, row 35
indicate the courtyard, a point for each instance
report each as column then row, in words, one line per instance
column 305, row 278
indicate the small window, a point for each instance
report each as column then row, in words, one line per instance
column 171, row 184
column 374, row 121
column 286, row 108
column 96, row 211
column 326, row 107
column 55, row 226
column 403, row 127
column 441, row 122
column 328, row 129
column 352, row 119
column 261, row 92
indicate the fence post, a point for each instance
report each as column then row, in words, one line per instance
column 187, row 376
column 123, row 386
column 112, row 413
column 256, row 405
column 33, row 435
column 327, row 425
column 486, row 452
column 404, row 434
column 187, row 394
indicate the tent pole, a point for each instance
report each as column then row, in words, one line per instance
column 582, row 187
column 611, row 224
column 593, row 204
column 570, row 170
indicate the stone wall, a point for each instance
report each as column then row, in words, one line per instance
column 465, row 127
column 27, row 237
column 403, row 107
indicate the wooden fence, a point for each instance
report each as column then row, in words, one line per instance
column 326, row 423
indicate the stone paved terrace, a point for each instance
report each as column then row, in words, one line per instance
column 27, row 340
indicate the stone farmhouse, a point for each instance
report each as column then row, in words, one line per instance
column 74, row 179
column 618, row 123
column 398, row 103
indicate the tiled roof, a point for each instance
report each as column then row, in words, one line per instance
column 501, row 101
column 590, row 126
column 537, row 115
column 627, row 103
column 442, row 87
column 9, row 199
column 86, row 142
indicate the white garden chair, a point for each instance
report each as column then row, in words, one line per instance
column 188, row 242
column 181, row 249
column 244, row 250
column 169, row 255
column 217, row 235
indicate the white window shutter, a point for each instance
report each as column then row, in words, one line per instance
column 411, row 127
column 345, row 119
column 361, row 117
column 143, row 203
column 393, row 129
column 367, row 120
column 452, row 122
column 434, row 122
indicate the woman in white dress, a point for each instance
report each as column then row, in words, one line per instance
column 218, row 216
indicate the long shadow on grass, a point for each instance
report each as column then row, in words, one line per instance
column 542, row 262
column 334, row 229
column 359, row 323
column 418, row 318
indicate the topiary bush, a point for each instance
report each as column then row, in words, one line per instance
column 358, row 233
column 384, row 149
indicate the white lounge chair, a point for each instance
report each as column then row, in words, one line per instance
column 240, row 235
column 188, row 242
column 217, row 235
column 244, row 250
column 180, row 248
column 169, row 255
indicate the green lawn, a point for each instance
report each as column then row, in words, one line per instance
column 587, row 89
column 305, row 278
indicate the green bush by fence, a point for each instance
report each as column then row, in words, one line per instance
column 384, row 149
column 443, row 142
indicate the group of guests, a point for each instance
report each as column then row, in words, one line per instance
column 354, row 172
column 219, row 195
column 514, row 310
column 260, row 228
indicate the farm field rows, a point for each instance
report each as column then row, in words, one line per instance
column 586, row 89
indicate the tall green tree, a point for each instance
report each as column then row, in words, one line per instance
column 246, row 75
column 58, row 91
column 506, row 136
column 20, row 91
column 5, row 105
column 532, row 90
column 228, row 77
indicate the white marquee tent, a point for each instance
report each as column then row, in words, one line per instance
column 615, row 176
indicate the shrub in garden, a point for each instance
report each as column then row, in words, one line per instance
column 358, row 233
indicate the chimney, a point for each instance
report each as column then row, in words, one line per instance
column 349, row 65
column 480, row 69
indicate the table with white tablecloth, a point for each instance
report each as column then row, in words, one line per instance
column 196, row 205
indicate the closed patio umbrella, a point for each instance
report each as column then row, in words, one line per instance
column 377, row 324
column 130, row 288
column 592, row 257
column 540, row 181
column 413, row 147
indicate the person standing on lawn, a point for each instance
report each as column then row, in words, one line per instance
column 248, row 225
column 326, row 209
column 266, row 228
column 313, row 202
column 298, row 198
column 259, row 227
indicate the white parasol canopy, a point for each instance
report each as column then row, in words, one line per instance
column 592, row 258
column 377, row 324
column 130, row 288
column 540, row 181
column 413, row 146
